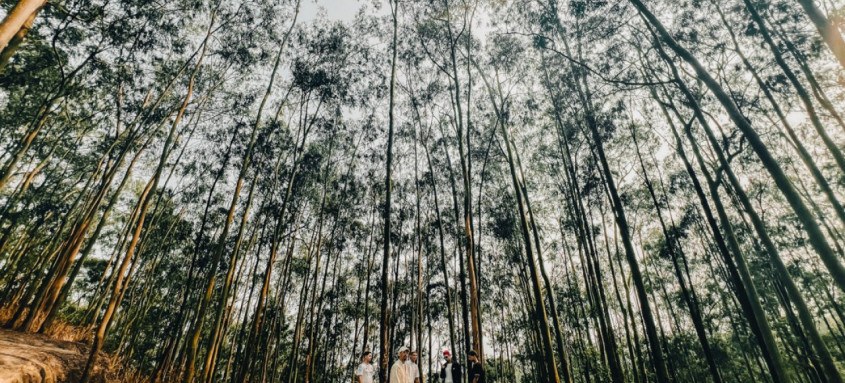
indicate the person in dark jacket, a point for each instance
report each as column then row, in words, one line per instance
column 451, row 371
column 476, row 370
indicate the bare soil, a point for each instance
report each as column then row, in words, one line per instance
column 35, row 358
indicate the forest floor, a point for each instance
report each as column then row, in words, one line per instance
column 38, row 358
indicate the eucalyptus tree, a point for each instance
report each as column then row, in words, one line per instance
column 579, row 191
column 16, row 26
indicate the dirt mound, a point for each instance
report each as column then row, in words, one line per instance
column 34, row 358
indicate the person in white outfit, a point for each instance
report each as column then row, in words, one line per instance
column 413, row 370
column 365, row 371
column 399, row 372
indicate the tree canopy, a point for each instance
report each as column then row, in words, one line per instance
column 578, row 191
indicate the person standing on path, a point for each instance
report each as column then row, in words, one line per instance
column 399, row 372
column 451, row 371
column 365, row 371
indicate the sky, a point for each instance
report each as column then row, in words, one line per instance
column 343, row 10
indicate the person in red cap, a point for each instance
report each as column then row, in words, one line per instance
column 451, row 371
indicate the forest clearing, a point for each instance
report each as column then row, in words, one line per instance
column 409, row 191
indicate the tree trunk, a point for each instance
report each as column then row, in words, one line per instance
column 17, row 19
column 384, row 334
column 816, row 237
column 16, row 41
column 692, row 304
column 536, row 282
column 829, row 32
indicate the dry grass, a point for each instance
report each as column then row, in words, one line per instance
column 6, row 313
column 59, row 330
column 67, row 332
column 117, row 371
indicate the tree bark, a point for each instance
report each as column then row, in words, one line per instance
column 16, row 21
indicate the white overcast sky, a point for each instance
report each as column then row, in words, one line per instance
column 343, row 10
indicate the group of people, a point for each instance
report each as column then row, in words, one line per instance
column 405, row 369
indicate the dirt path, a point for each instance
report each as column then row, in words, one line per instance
column 34, row 358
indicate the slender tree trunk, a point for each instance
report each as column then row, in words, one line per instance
column 384, row 335
column 744, row 292
column 539, row 303
column 816, row 237
column 805, row 156
column 89, row 246
column 219, row 330
column 692, row 305
column 442, row 251
column 803, row 95
column 143, row 205
column 636, row 274
column 828, row 31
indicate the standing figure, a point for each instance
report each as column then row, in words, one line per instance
column 399, row 372
column 451, row 371
column 476, row 370
column 413, row 370
column 365, row 371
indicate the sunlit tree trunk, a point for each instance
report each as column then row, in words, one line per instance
column 142, row 206
column 9, row 50
column 16, row 24
column 828, row 31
